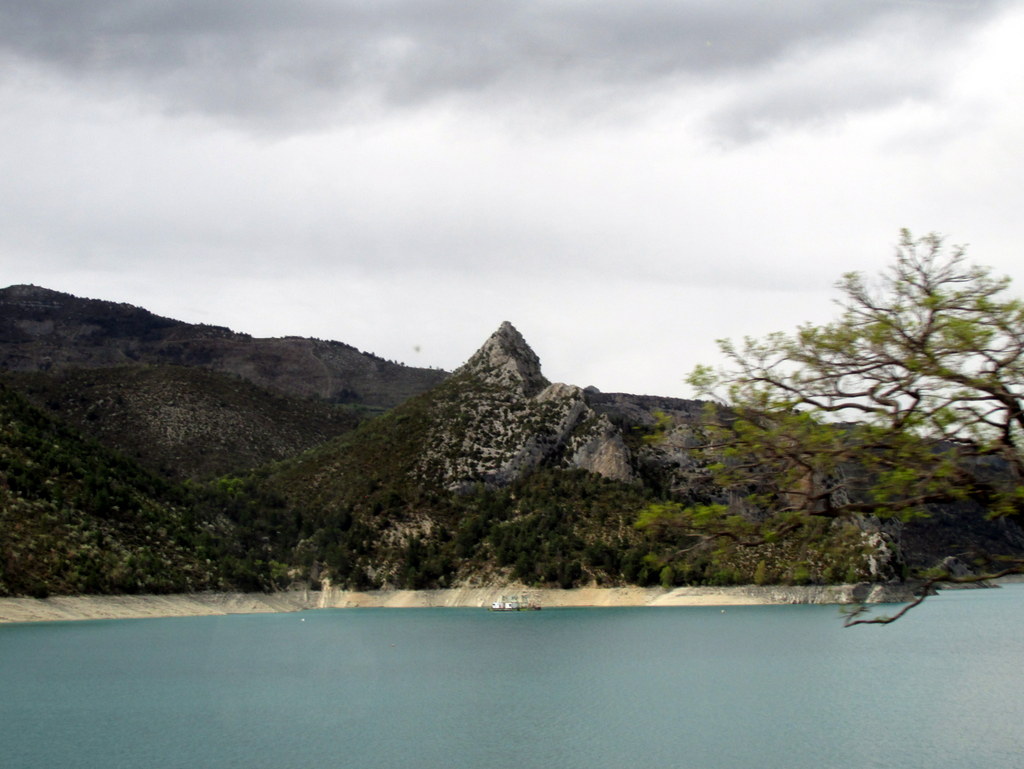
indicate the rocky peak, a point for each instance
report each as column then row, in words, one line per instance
column 503, row 419
column 506, row 358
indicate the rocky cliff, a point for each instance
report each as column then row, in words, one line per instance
column 499, row 418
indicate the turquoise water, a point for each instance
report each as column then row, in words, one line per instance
column 761, row 687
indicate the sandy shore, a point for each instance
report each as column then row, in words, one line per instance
column 65, row 608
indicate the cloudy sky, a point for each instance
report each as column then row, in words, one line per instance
column 623, row 181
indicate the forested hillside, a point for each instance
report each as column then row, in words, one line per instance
column 77, row 518
column 153, row 478
column 185, row 422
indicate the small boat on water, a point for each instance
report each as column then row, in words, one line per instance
column 515, row 603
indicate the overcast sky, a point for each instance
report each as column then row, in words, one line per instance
column 623, row 181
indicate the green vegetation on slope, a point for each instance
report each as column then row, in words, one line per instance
column 493, row 475
column 77, row 518
column 185, row 422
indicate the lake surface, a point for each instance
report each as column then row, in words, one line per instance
column 758, row 687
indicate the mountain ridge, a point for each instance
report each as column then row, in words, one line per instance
column 492, row 475
column 45, row 330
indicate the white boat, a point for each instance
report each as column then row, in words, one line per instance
column 515, row 603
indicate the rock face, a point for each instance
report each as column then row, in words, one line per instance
column 43, row 330
column 501, row 418
column 605, row 453
column 506, row 359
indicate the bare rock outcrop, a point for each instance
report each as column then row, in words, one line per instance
column 605, row 452
column 506, row 359
column 500, row 418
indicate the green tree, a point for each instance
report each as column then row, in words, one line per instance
column 913, row 396
column 761, row 573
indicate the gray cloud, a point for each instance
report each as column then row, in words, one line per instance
column 271, row 66
column 293, row 168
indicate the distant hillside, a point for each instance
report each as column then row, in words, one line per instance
column 185, row 422
column 43, row 330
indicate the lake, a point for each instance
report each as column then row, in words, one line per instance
column 763, row 686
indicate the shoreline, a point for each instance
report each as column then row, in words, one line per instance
column 96, row 607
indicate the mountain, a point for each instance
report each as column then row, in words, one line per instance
column 498, row 474
column 44, row 330
column 493, row 474
column 461, row 483
column 188, row 401
column 500, row 419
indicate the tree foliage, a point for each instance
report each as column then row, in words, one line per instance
column 912, row 397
